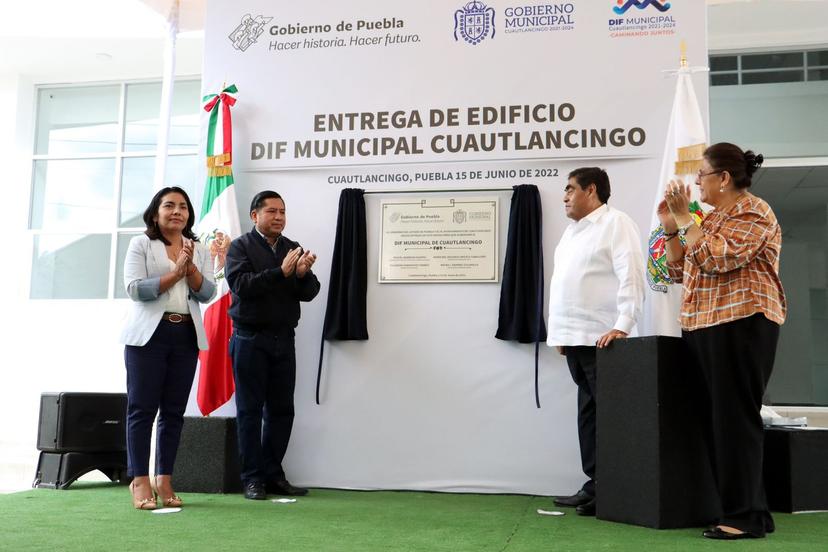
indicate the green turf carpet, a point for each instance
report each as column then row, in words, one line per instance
column 99, row 516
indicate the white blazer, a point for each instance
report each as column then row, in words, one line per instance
column 146, row 261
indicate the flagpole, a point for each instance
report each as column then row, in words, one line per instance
column 165, row 112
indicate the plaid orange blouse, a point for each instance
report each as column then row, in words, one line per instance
column 732, row 272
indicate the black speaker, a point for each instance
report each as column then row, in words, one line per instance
column 796, row 469
column 82, row 422
column 208, row 456
column 58, row 470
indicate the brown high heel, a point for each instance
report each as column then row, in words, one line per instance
column 173, row 501
column 143, row 503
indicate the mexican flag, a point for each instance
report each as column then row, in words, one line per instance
column 218, row 224
column 686, row 142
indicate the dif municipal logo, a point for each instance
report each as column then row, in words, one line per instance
column 649, row 19
column 624, row 5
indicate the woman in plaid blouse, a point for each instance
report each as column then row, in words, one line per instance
column 732, row 306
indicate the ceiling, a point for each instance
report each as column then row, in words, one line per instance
column 62, row 41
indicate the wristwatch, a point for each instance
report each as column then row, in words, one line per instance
column 682, row 230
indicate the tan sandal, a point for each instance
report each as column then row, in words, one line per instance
column 173, row 501
column 142, row 503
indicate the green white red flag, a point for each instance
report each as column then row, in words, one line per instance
column 218, row 224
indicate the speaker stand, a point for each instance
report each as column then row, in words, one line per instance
column 58, row 470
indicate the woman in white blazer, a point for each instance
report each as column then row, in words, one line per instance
column 167, row 273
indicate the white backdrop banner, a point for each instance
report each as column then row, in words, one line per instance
column 441, row 96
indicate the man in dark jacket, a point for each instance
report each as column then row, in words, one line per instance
column 268, row 275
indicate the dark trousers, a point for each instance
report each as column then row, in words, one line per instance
column 159, row 378
column 264, row 369
column 736, row 359
column 581, row 361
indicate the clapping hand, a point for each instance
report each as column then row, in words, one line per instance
column 290, row 261
column 185, row 258
column 304, row 264
column 666, row 218
column 677, row 198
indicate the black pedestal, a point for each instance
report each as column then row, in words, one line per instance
column 796, row 469
column 58, row 470
column 653, row 467
column 208, row 458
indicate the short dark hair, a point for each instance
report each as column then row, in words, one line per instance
column 739, row 164
column 593, row 175
column 152, row 231
column 260, row 198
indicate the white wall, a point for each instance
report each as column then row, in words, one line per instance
column 53, row 345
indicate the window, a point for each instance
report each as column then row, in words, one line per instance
column 768, row 67
column 92, row 178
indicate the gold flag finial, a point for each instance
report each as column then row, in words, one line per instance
column 683, row 48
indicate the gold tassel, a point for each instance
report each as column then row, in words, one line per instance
column 691, row 153
column 219, row 171
column 688, row 167
column 218, row 160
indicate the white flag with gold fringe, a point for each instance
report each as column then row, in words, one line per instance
column 686, row 141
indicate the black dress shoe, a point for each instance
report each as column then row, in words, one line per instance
column 587, row 509
column 255, row 491
column 719, row 534
column 577, row 499
column 283, row 487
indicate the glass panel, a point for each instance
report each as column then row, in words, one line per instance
column 817, row 74
column 818, row 58
column 724, row 78
column 143, row 104
column 72, row 266
column 186, row 112
column 77, row 120
column 723, row 63
column 773, row 61
column 137, row 186
column 123, row 244
column 73, row 194
column 800, row 374
column 772, row 76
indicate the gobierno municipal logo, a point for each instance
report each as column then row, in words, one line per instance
column 474, row 21
column 624, row 5
column 248, row 31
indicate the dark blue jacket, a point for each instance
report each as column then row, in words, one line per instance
column 263, row 298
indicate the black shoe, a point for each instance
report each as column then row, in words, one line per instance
column 282, row 487
column 577, row 499
column 719, row 534
column 587, row 509
column 255, row 491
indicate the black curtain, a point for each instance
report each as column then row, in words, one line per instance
column 521, row 292
column 345, row 315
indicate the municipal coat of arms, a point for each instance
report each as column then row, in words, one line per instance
column 474, row 21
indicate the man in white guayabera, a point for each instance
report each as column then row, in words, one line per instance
column 595, row 297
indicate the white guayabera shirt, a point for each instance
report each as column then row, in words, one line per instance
column 598, row 279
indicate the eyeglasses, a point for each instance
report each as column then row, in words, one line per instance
column 701, row 174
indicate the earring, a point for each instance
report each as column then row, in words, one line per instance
column 721, row 189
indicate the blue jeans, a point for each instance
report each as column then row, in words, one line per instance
column 159, row 377
column 264, row 370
